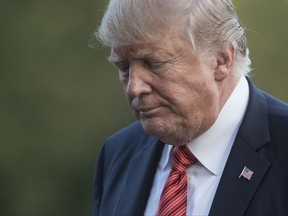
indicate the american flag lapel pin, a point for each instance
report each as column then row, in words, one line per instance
column 246, row 173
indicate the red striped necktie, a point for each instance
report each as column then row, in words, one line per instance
column 173, row 200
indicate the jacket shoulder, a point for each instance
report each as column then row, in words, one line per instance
column 122, row 146
column 278, row 128
column 276, row 106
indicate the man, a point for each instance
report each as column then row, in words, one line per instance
column 183, row 66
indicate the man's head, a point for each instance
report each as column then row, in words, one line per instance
column 178, row 61
column 208, row 25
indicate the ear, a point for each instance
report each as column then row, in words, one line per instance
column 225, row 63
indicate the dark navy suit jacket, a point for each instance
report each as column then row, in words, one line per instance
column 128, row 160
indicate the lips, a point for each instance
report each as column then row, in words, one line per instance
column 146, row 109
column 143, row 108
column 146, row 112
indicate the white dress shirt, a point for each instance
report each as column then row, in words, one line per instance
column 212, row 150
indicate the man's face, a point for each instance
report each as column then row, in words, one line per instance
column 173, row 94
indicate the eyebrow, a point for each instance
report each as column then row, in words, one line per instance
column 116, row 59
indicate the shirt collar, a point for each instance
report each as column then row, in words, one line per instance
column 212, row 148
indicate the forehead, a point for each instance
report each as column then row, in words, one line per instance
column 165, row 48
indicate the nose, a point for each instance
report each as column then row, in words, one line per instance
column 139, row 82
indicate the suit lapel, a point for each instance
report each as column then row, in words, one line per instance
column 234, row 194
column 139, row 178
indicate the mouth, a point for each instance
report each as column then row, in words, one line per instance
column 148, row 112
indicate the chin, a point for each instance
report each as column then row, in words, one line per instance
column 160, row 130
column 168, row 132
column 154, row 127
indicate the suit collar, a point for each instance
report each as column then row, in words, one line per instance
column 139, row 178
column 254, row 128
column 234, row 194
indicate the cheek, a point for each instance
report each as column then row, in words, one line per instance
column 198, row 101
column 204, row 109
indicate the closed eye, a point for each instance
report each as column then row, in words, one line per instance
column 153, row 65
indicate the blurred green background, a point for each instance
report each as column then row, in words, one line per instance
column 60, row 99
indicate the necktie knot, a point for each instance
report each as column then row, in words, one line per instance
column 183, row 158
